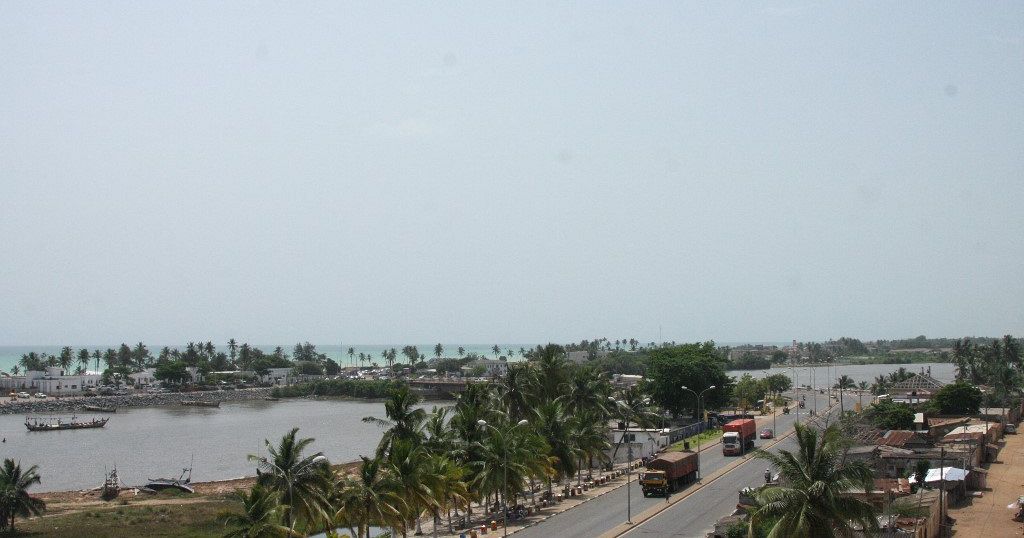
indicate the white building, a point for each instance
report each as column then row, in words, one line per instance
column 144, row 377
column 492, row 368
column 51, row 382
column 644, row 442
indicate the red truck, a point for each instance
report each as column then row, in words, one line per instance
column 665, row 473
column 738, row 437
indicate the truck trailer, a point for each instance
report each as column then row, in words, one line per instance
column 738, row 437
column 668, row 472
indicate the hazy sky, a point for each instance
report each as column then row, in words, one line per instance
column 523, row 172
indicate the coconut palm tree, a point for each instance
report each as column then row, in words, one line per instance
column 438, row 350
column 590, row 436
column 449, row 488
column 83, row 358
column 260, row 517
column 410, row 463
column 351, row 354
column 496, row 350
column 461, row 351
column 404, row 421
column 370, row 498
column 845, row 382
column 14, row 497
column 553, row 424
column 232, row 349
column 814, row 501
column 518, row 390
column 301, row 482
column 15, row 369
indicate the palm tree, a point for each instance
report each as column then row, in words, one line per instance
column 14, row 497
column 449, row 489
column 83, row 358
column 371, row 498
column 552, row 371
column 410, row 463
column 301, row 483
column 814, row 502
column 462, row 351
column 404, row 421
column 553, row 424
column 438, row 350
column 66, row 359
column 496, row 350
column 845, row 382
column 351, row 353
column 232, row 349
column 518, row 390
column 260, row 517
column 15, row 369
column 96, row 355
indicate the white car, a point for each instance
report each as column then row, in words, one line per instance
column 40, row 395
column 24, row 395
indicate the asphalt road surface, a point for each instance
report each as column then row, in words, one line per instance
column 704, row 507
column 696, row 515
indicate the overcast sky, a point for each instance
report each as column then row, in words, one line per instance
column 523, row 172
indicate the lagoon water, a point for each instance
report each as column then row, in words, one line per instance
column 158, row 442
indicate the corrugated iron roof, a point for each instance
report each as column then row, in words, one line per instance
column 896, row 437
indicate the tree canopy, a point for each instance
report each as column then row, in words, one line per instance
column 696, row 366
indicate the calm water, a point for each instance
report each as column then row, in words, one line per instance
column 158, row 442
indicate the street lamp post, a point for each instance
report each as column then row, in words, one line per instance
column 796, row 392
column 626, row 413
column 504, row 494
column 701, row 416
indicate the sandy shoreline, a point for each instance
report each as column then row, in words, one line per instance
column 70, row 499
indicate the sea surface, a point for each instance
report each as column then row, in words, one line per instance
column 160, row 441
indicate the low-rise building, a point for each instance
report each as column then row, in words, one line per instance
column 489, row 367
column 51, row 382
column 644, row 442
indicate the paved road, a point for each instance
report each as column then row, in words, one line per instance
column 696, row 515
column 599, row 515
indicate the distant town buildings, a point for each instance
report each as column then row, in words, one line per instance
column 51, row 381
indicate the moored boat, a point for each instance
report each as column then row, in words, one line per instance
column 41, row 425
column 198, row 403
column 181, row 483
column 271, row 399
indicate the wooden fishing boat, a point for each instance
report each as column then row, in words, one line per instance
column 198, row 403
column 182, row 483
column 41, row 425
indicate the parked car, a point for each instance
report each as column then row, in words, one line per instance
column 767, row 433
column 40, row 395
column 24, row 395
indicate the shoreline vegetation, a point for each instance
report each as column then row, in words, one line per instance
column 516, row 438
